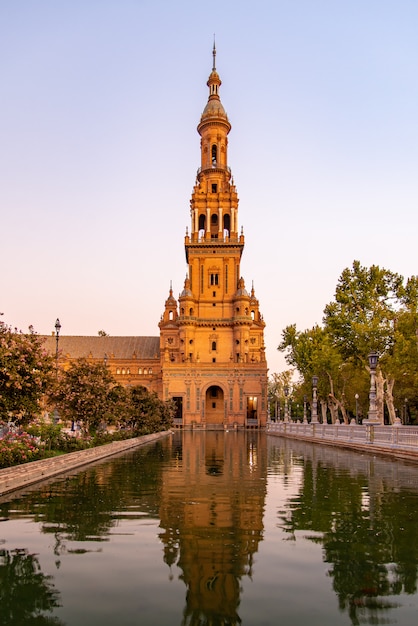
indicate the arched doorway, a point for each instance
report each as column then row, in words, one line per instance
column 214, row 405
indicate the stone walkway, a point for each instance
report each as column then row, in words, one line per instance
column 18, row 476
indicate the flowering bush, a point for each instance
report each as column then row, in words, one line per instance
column 18, row 448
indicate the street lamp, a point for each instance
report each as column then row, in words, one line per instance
column 305, row 415
column 372, row 415
column 314, row 417
column 286, row 410
column 57, row 338
column 356, row 397
column 405, row 420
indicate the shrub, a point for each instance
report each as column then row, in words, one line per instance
column 18, row 448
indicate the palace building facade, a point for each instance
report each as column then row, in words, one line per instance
column 210, row 355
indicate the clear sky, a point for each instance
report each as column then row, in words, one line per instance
column 99, row 104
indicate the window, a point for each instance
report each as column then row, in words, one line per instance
column 145, row 371
column 214, row 345
column 214, row 188
column 214, row 154
column 118, row 370
column 214, row 360
column 214, row 279
column 140, row 371
column 150, row 370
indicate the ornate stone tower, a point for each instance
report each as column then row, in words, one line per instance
column 212, row 340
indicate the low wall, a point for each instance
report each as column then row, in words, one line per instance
column 397, row 441
column 18, row 476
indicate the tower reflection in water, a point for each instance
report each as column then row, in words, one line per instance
column 212, row 505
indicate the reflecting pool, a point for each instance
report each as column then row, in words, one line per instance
column 215, row 529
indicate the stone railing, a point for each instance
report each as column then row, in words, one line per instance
column 400, row 441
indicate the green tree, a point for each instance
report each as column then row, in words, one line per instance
column 148, row 413
column 361, row 318
column 312, row 352
column 374, row 310
column 26, row 373
column 84, row 394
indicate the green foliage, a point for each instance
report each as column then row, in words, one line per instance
column 26, row 373
column 89, row 395
column 361, row 318
column 374, row 309
column 83, row 394
column 148, row 413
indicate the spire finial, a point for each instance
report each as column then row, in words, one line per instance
column 214, row 54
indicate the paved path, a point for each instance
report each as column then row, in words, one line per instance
column 18, row 476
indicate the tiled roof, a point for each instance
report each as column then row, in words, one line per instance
column 97, row 347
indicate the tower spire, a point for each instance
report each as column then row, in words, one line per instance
column 214, row 54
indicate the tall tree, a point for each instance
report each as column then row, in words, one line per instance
column 374, row 311
column 84, row 394
column 26, row 372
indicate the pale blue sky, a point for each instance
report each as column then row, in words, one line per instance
column 100, row 100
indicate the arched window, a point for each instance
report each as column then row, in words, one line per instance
column 214, row 154
column 227, row 223
column 202, row 221
column 214, row 345
column 140, row 371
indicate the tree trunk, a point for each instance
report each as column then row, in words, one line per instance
column 323, row 406
column 380, row 404
column 389, row 399
column 337, row 405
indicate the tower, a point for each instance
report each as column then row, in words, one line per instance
column 212, row 339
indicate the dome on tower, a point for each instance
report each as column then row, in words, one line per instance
column 186, row 293
column 241, row 291
column 214, row 109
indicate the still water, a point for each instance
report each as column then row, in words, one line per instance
column 215, row 529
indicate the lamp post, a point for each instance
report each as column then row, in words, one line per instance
column 356, row 397
column 372, row 415
column 305, row 415
column 57, row 338
column 314, row 416
column 405, row 419
column 286, row 409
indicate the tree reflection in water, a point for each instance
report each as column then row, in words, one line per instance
column 366, row 521
column 26, row 594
